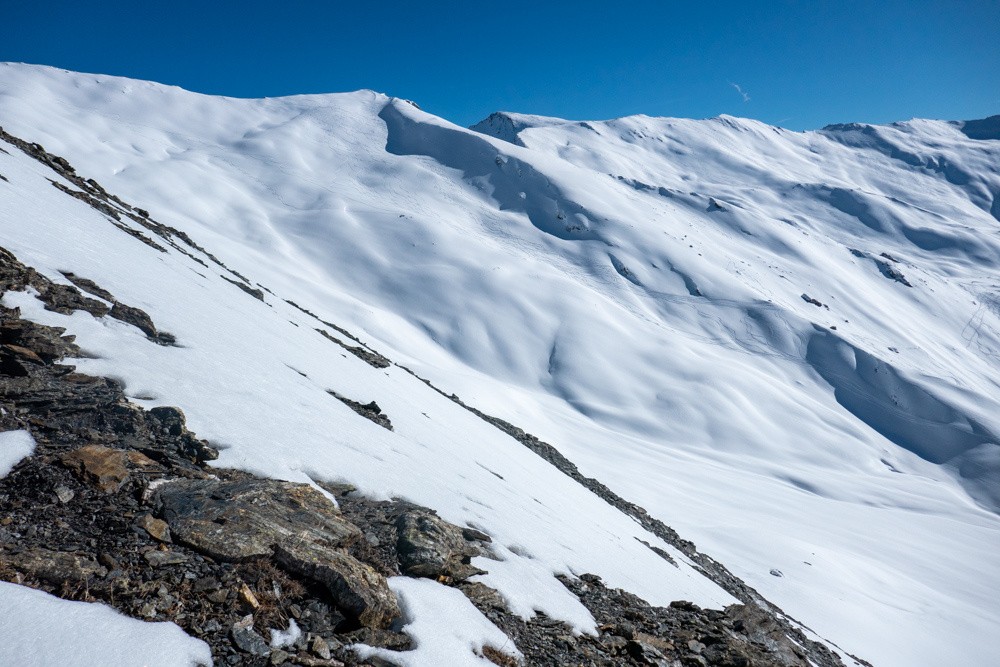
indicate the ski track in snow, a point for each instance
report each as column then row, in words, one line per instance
column 584, row 286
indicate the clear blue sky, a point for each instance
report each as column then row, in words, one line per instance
column 800, row 64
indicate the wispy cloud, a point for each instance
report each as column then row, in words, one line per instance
column 745, row 95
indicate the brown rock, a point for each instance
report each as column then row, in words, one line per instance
column 157, row 528
column 24, row 353
column 101, row 466
column 134, row 316
column 320, row 647
column 294, row 523
column 355, row 587
column 248, row 597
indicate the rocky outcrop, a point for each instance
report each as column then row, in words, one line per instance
column 370, row 357
column 631, row 632
column 55, row 567
column 428, row 546
column 239, row 520
column 370, row 411
column 355, row 587
column 293, row 523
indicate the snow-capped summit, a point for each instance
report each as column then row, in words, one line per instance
column 506, row 125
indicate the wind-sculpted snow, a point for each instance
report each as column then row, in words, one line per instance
column 513, row 184
column 908, row 414
column 641, row 293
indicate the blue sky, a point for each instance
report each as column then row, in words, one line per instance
column 798, row 64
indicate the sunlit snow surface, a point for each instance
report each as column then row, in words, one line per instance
column 42, row 630
column 458, row 643
column 629, row 291
column 14, row 446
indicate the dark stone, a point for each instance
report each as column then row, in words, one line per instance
column 89, row 286
column 158, row 558
column 206, row 585
column 172, row 420
column 246, row 639
column 809, row 299
column 65, row 299
column 646, row 654
column 429, row 546
column 134, row 316
column 891, row 272
column 370, row 411
column 368, row 356
column 242, row 284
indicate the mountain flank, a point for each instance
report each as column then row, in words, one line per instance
column 118, row 505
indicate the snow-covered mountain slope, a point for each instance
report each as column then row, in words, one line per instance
column 784, row 345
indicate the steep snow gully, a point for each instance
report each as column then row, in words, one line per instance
column 784, row 345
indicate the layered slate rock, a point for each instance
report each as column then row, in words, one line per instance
column 294, row 523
